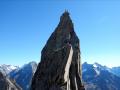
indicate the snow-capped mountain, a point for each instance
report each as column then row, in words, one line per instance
column 6, row 69
column 23, row 75
column 116, row 71
column 98, row 77
column 95, row 76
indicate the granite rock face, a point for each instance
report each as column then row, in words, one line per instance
column 60, row 66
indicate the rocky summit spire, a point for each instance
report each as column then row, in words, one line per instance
column 66, row 22
column 60, row 67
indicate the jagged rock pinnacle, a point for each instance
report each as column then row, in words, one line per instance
column 60, row 67
column 66, row 22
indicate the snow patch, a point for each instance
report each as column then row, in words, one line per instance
column 94, row 65
column 97, row 71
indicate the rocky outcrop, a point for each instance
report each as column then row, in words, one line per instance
column 7, row 84
column 2, row 82
column 60, row 66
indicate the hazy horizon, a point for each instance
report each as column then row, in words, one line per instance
column 25, row 27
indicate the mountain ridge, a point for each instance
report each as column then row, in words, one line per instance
column 98, row 77
column 92, row 85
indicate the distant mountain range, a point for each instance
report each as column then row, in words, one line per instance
column 22, row 76
column 98, row 77
column 95, row 76
column 6, row 69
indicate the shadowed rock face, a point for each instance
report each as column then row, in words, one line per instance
column 60, row 67
column 3, row 85
column 7, row 84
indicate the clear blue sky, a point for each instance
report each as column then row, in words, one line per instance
column 26, row 25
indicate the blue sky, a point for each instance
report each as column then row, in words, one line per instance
column 26, row 25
